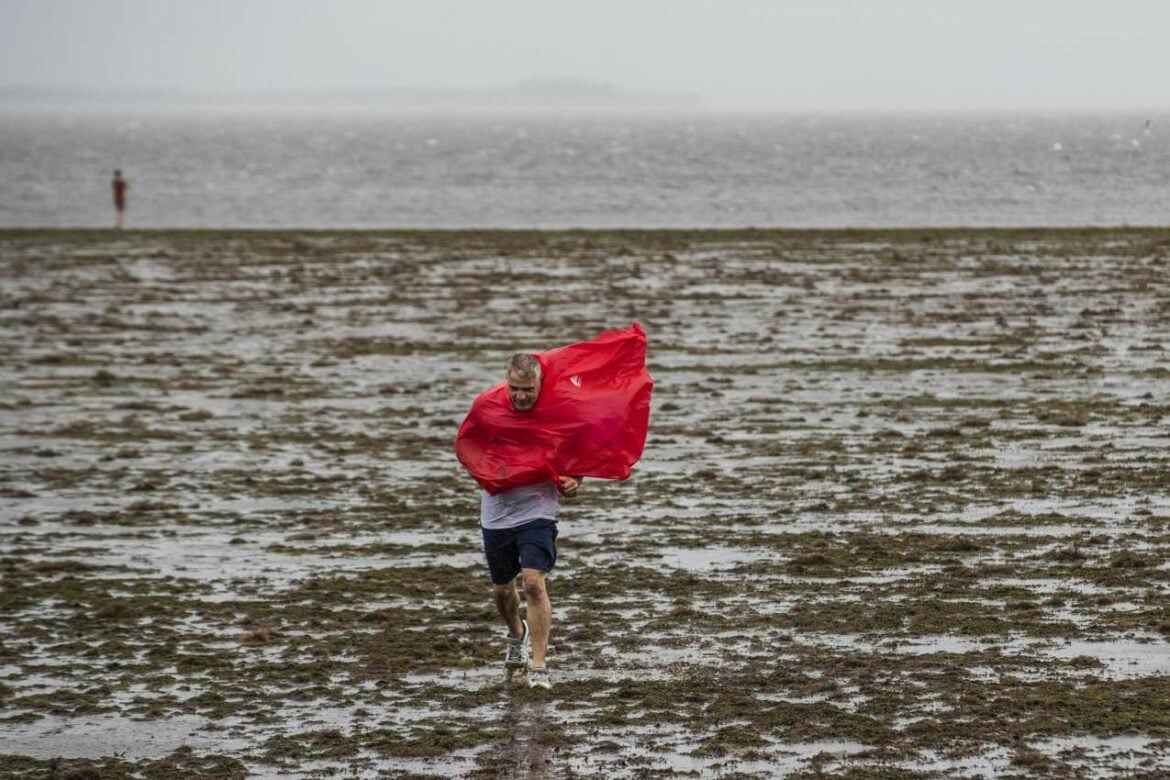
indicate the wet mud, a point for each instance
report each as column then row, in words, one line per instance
column 904, row 509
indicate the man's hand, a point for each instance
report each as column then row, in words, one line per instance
column 569, row 485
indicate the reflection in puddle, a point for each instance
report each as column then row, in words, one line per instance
column 530, row 741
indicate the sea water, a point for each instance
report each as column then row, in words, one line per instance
column 239, row 168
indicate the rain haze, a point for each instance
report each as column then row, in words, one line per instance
column 740, row 54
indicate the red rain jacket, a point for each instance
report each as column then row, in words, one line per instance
column 589, row 420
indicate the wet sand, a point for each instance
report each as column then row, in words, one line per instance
column 904, row 508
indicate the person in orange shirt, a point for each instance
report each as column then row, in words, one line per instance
column 120, row 186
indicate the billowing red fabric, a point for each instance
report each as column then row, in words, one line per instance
column 589, row 420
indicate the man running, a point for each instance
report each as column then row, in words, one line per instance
column 119, row 186
column 519, row 538
column 581, row 409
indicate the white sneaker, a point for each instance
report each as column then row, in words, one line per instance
column 538, row 678
column 516, row 656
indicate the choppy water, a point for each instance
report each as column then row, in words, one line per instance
column 354, row 170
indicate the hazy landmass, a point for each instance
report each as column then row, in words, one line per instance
column 559, row 93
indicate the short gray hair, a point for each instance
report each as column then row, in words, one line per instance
column 524, row 366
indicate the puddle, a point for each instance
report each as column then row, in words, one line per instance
column 92, row 736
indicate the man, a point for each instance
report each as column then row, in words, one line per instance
column 119, row 186
column 519, row 538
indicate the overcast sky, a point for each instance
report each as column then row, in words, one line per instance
column 768, row 54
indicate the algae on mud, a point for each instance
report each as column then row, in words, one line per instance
column 897, row 482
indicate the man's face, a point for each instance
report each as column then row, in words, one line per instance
column 522, row 392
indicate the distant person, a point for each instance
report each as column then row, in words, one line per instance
column 120, row 186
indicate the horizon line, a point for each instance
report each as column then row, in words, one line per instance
column 534, row 94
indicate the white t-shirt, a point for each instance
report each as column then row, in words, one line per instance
column 519, row 506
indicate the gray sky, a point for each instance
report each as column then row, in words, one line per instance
column 775, row 54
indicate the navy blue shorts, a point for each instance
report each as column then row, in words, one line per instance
column 529, row 546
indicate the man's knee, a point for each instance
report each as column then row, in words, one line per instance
column 533, row 583
column 503, row 591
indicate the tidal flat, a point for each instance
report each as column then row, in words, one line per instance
column 904, row 509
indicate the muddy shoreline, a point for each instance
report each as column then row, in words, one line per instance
column 904, row 509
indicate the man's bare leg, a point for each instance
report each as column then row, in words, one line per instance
column 508, row 605
column 539, row 613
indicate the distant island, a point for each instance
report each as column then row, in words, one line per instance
column 534, row 94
